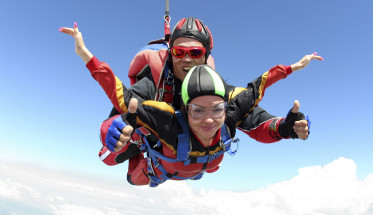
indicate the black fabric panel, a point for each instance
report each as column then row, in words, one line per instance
column 131, row 152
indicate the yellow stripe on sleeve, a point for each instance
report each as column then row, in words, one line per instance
column 235, row 92
column 120, row 96
column 261, row 89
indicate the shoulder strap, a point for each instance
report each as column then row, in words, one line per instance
column 183, row 145
column 226, row 140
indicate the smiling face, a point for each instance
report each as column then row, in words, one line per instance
column 183, row 65
column 205, row 129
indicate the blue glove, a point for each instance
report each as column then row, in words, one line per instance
column 115, row 130
column 116, row 127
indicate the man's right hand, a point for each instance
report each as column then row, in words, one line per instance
column 120, row 131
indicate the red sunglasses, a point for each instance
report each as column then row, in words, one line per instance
column 194, row 52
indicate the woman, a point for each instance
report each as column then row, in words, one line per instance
column 188, row 149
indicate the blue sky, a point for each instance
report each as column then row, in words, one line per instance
column 52, row 108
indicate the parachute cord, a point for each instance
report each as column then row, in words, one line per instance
column 167, row 19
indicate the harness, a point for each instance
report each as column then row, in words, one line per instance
column 183, row 153
column 154, row 59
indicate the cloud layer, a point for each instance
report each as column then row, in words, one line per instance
column 330, row 189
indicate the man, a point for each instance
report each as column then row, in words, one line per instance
column 190, row 45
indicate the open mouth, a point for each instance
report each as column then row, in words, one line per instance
column 186, row 69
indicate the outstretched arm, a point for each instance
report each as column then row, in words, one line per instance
column 80, row 48
column 260, row 84
column 266, row 128
column 100, row 71
column 257, row 122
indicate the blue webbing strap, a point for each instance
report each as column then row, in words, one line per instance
column 183, row 146
column 155, row 47
column 154, row 180
column 228, row 141
column 205, row 158
column 153, row 155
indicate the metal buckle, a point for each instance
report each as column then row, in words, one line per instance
column 211, row 156
column 222, row 145
column 170, row 78
column 161, row 92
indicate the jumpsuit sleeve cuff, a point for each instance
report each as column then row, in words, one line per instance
column 288, row 70
column 93, row 64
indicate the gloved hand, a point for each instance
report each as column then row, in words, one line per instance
column 295, row 125
column 122, row 128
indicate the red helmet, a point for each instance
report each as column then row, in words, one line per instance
column 192, row 28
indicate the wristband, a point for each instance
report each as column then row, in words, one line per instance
column 273, row 131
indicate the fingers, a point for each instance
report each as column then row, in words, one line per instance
column 68, row 31
column 119, row 146
column 315, row 56
column 301, row 129
column 127, row 131
column 302, row 135
column 77, row 34
column 296, row 107
column 301, row 123
column 124, row 138
column 76, row 29
column 306, row 59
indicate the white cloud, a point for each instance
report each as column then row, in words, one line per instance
column 330, row 189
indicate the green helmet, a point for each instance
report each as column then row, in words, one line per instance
column 202, row 80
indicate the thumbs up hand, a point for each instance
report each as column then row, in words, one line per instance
column 130, row 119
column 296, row 125
column 122, row 128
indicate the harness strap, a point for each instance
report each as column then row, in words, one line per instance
column 183, row 145
column 225, row 136
column 152, row 159
column 205, row 158
column 156, row 180
column 165, row 86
